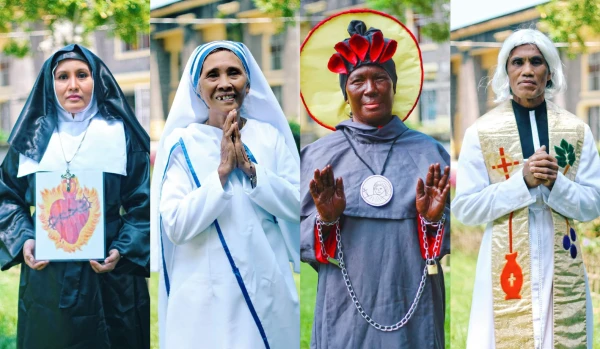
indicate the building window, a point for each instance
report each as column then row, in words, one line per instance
column 4, row 71
column 278, row 92
column 139, row 101
column 428, row 106
column 594, row 71
column 142, row 106
column 5, row 121
column 277, row 42
column 594, row 120
column 143, row 43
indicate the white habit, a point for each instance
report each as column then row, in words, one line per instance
column 205, row 307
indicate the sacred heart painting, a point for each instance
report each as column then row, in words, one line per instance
column 69, row 216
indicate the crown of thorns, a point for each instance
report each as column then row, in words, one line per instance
column 359, row 50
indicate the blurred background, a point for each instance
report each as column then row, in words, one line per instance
column 477, row 32
column 31, row 30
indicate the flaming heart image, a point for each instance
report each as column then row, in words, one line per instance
column 69, row 216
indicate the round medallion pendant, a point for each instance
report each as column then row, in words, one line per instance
column 376, row 190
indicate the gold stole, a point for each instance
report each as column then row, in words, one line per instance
column 511, row 264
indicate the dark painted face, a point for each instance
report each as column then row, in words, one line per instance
column 370, row 95
column 528, row 75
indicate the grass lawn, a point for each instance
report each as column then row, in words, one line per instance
column 9, row 295
column 154, row 310
column 461, row 288
column 308, row 294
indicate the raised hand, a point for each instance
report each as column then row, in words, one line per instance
column 228, row 159
column 432, row 195
column 28, row 249
column 328, row 194
column 542, row 168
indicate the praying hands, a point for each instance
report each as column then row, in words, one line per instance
column 233, row 154
column 541, row 168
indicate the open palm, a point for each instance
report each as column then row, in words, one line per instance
column 432, row 195
column 328, row 194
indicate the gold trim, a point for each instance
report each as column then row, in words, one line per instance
column 510, row 235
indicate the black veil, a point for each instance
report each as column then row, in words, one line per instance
column 38, row 119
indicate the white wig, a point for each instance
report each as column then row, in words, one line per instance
column 500, row 82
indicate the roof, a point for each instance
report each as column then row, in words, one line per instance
column 462, row 10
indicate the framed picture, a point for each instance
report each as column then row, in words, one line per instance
column 69, row 216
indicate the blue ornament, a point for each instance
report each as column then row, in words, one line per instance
column 573, row 251
column 573, row 235
column 566, row 242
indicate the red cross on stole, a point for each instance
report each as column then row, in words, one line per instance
column 504, row 164
column 511, row 278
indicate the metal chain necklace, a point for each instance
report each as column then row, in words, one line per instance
column 429, row 261
column 68, row 175
column 376, row 190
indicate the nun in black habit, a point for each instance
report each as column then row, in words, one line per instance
column 362, row 229
column 79, row 304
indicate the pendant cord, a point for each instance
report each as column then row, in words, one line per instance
column 387, row 157
column 78, row 147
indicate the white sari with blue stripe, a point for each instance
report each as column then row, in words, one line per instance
column 226, row 280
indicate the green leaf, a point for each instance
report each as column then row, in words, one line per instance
column 571, row 149
column 559, row 151
column 564, row 145
column 562, row 162
column 571, row 158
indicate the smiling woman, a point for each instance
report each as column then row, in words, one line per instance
column 223, row 83
column 378, row 210
column 227, row 208
column 370, row 95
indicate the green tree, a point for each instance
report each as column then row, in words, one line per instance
column 571, row 21
column 433, row 15
column 278, row 8
column 123, row 19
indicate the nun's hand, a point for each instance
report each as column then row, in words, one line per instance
column 243, row 161
column 28, row 250
column 228, row 160
column 328, row 194
column 109, row 263
column 432, row 195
